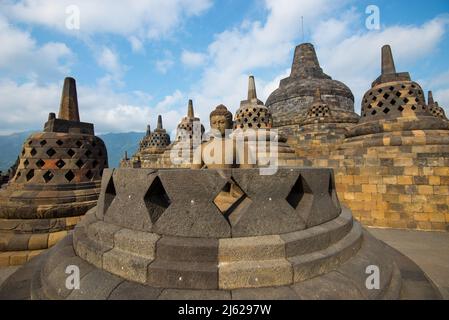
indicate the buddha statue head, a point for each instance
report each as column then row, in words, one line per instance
column 221, row 119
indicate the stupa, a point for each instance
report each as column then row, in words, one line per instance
column 189, row 132
column 253, row 124
column 394, row 165
column 151, row 147
column 290, row 103
column 322, row 129
column 159, row 234
column 56, row 182
column 434, row 108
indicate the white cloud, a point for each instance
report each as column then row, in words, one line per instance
column 164, row 65
column 353, row 55
column 193, row 59
column 26, row 106
column 141, row 18
column 136, row 44
column 20, row 54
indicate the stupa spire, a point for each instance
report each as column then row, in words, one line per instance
column 305, row 63
column 190, row 112
column 388, row 66
column 68, row 109
column 159, row 122
column 252, row 94
column 430, row 100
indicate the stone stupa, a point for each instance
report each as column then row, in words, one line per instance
column 160, row 234
column 151, row 147
column 393, row 165
column 56, row 182
column 290, row 103
column 189, row 132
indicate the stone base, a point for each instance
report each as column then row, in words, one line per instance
column 44, row 278
column 23, row 239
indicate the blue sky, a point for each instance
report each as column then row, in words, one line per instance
column 138, row 59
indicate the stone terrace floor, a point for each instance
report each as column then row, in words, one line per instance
column 430, row 250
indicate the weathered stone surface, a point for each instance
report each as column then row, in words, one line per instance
column 126, row 265
column 254, row 274
column 271, row 293
column 330, row 286
column 90, row 286
column 102, row 232
column 251, row 248
column 137, row 242
column 192, row 212
column 188, row 249
column 133, row 291
column 182, row 275
column 174, row 294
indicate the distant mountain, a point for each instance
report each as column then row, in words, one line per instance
column 116, row 143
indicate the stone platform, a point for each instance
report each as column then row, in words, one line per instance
column 161, row 235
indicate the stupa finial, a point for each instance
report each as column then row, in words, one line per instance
column 387, row 60
column 68, row 109
column 252, row 94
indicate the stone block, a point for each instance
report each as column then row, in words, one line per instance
column 126, row 265
column 251, row 248
column 138, row 242
column 254, row 274
column 182, row 275
column 188, row 249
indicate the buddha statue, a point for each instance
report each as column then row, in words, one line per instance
column 218, row 151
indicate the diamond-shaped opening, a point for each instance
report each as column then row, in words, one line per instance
column 33, row 152
column 406, row 100
column 386, row 110
column 299, row 193
column 43, row 142
column 393, row 102
column 71, row 153
column 89, row 174
column 79, row 163
column 373, row 112
column 79, row 144
column 88, row 153
column 109, row 194
column 26, row 163
column 232, row 201
column 398, row 94
column 51, row 152
column 60, row 163
column 413, row 108
column 59, row 143
column 30, row 175
column 23, row 152
column 380, row 104
column 48, row 176
column 401, row 108
column 40, row 163
column 156, row 200
column 386, row 96
column 69, row 176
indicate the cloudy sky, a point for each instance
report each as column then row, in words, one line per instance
column 136, row 59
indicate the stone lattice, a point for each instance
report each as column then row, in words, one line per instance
column 56, row 181
column 284, row 237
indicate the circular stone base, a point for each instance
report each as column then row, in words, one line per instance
column 23, row 239
column 44, row 277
